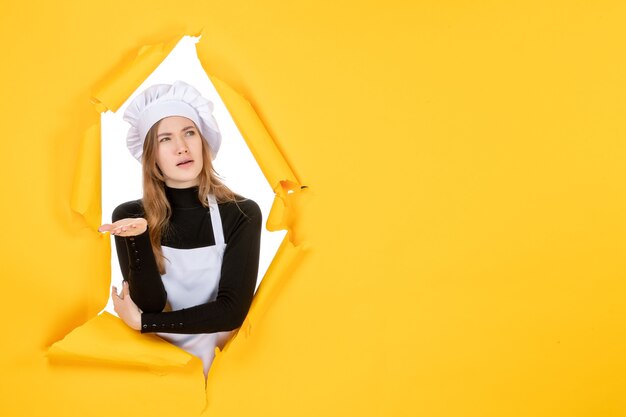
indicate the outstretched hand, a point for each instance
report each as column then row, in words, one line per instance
column 126, row 227
column 126, row 308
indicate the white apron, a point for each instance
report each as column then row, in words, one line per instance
column 192, row 277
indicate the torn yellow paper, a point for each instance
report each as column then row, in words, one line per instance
column 113, row 91
column 467, row 227
column 273, row 164
column 76, row 346
column 107, row 340
column 284, row 262
column 86, row 189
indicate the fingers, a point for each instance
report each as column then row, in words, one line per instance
column 117, row 227
column 116, row 299
column 111, row 228
column 119, row 231
column 105, row 228
column 123, row 228
column 125, row 290
column 115, row 295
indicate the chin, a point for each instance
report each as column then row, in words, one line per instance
column 191, row 180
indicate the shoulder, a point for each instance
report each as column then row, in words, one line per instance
column 128, row 209
column 242, row 208
column 248, row 207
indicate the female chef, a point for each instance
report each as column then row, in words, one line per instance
column 189, row 249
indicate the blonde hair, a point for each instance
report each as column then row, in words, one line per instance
column 157, row 208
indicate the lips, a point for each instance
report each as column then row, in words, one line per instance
column 185, row 162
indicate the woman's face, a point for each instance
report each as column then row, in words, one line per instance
column 179, row 152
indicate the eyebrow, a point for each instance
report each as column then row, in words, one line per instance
column 168, row 133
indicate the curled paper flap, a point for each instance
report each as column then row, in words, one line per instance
column 113, row 91
column 272, row 162
column 285, row 260
column 86, row 188
column 106, row 340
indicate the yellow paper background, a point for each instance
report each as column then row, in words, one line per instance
column 458, row 250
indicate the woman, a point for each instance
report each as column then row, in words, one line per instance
column 189, row 250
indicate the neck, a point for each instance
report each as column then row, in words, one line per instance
column 183, row 197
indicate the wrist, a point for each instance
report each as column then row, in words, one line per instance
column 137, row 322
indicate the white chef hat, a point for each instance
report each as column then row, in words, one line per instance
column 163, row 100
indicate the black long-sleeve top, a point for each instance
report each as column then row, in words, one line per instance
column 190, row 228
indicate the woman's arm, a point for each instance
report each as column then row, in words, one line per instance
column 236, row 287
column 137, row 263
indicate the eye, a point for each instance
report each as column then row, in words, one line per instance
column 164, row 138
column 190, row 132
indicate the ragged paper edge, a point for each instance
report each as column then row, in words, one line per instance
column 283, row 181
column 114, row 90
column 86, row 195
column 109, row 94
column 86, row 189
column 273, row 164
column 106, row 340
column 282, row 216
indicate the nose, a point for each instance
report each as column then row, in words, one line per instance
column 181, row 147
